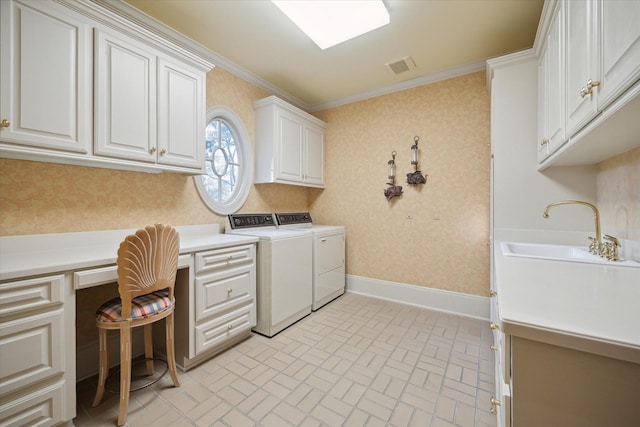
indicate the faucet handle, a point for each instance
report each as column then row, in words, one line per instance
column 594, row 246
column 612, row 239
column 614, row 245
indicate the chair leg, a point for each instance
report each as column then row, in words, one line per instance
column 125, row 373
column 171, row 354
column 104, row 365
column 148, row 347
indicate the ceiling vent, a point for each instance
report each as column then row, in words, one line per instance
column 402, row 65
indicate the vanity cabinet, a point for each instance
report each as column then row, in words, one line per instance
column 85, row 86
column 45, row 76
column 589, row 71
column 37, row 372
column 222, row 307
column 289, row 144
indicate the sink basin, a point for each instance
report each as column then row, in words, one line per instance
column 558, row 253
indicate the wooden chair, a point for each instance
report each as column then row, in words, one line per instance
column 147, row 267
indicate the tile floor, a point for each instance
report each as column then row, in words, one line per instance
column 357, row 361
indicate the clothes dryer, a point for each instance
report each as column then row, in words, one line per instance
column 328, row 255
column 284, row 270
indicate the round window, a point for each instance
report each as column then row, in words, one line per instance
column 228, row 163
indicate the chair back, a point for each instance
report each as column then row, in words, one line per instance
column 147, row 262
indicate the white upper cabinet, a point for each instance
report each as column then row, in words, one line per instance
column 148, row 107
column 85, row 86
column 581, row 63
column 314, row 155
column 620, row 44
column 551, row 89
column 181, row 114
column 587, row 115
column 289, row 145
column 125, row 113
column 45, row 76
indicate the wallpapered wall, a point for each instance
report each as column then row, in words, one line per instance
column 50, row 198
column 618, row 193
column 452, row 120
column 450, row 117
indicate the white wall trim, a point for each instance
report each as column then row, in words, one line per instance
column 434, row 299
column 404, row 85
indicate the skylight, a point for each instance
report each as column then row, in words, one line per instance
column 330, row 22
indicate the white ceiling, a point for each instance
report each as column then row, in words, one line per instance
column 444, row 38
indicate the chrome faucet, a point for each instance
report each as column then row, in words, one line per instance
column 596, row 245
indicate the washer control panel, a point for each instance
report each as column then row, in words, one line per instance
column 242, row 221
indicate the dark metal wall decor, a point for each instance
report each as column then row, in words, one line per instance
column 415, row 177
column 393, row 190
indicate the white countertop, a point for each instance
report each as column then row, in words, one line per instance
column 36, row 254
column 588, row 307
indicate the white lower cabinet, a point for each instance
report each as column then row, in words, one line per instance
column 37, row 385
column 221, row 309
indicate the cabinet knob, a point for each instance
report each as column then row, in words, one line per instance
column 152, row 150
column 5, row 123
column 493, row 348
column 229, row 327
column 493, row 293
column 544, row 141
column 163, row 152
column 494, row 327
column 495, row 402
column 493, row 410
column 229, row 290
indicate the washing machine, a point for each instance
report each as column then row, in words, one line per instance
column 284, row 270
column 328, row 255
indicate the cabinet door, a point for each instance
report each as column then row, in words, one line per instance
column 551, row 90
column 313, row 156
column 45, row 81
column 582, row 54
column 181, row 119
column 125, row 103
column 620, row 35
column 289, row 137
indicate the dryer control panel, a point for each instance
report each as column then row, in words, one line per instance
column 244, row 221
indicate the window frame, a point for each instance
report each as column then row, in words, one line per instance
column 240, row 193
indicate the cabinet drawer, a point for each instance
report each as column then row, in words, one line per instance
column 220, row 292
column 218, row 331
column 222, row 258
column 23, row 295
column 30, row 350
column 42, row 408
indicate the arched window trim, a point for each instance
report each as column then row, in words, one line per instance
column 245, row 178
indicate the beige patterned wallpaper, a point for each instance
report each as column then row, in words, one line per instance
column 452, row 119
column 618, row 193
column 50, row 198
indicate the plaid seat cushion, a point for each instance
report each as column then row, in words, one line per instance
column 141, row 307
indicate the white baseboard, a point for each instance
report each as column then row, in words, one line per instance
column 434, row 299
